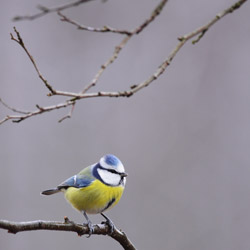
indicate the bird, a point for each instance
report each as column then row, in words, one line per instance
column 95, row 189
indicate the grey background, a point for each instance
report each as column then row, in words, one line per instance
column 184, row 140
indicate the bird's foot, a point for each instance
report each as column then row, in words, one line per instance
column 109, row 223
column 89, row 224
column 91, row 228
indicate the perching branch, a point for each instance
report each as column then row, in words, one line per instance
column 67, row 225
column 74, row 97
column 44, row 10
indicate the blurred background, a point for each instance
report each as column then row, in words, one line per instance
column 184, row 140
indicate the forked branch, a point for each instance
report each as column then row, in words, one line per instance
column 134, row 88
column 45, row 10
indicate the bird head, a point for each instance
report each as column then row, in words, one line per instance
column 110, row 170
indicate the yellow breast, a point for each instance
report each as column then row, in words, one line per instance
column 95, row 198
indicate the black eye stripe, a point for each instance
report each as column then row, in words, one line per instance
column 110, row 170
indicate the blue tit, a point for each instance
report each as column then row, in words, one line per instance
column 95, row 189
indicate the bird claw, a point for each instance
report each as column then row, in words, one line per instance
column 110, row 224
column 91, row 228
column 89, row 224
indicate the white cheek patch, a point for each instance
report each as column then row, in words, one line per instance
column 108, row 177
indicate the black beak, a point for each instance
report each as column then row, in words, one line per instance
column 123, row 174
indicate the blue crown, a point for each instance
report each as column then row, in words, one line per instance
column 111, row 160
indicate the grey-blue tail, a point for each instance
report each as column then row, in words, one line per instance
column 50, row 191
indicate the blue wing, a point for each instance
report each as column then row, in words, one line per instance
column 77, row 181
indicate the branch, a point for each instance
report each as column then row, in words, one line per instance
column 155, row 13
column 135, row 87
column 44, row 10
column 123, row 43
column 40, row 110
column 82, row 94
column 19, row 40
column 69, row 226
column 13, row 109
column 69, row 114
column 104, row 29
column 201, row 30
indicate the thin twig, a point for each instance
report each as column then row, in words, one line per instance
column 134, row 88
column 19, row 40
column 122, row 44
column 154, row 14
column 104, row 29
column 69, row 226
column 201, row 30
column 116, row 52
column 40, row 110
column 69, row 114
column 44, row 10
column 13, row 109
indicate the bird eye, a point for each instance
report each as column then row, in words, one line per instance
column 115, row 172
column 112, row 171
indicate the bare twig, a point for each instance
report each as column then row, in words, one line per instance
column 104, row 29
column 201, row 30
column 19, row 40
column 155, row 13
column 116, row 52
column 69, row 114
column 122, row 44
column 44, row 10
column 13, row 109
column 135, row 87
column 38, row 111
column 69, row 226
